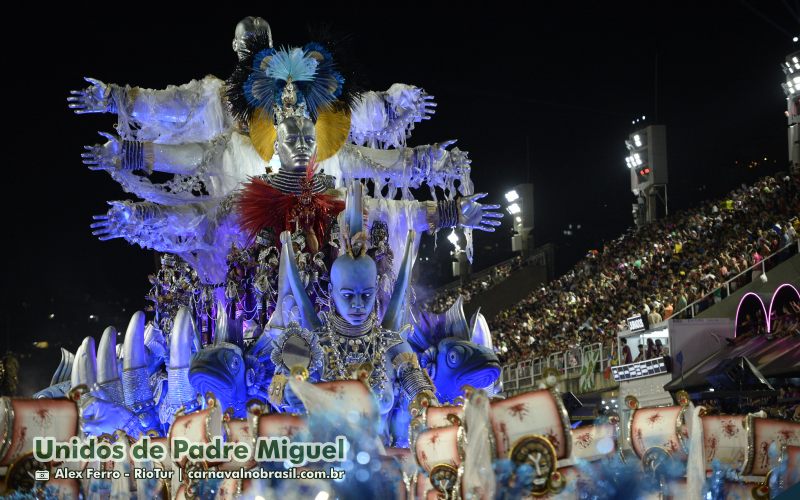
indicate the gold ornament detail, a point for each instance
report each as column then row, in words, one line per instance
column 631, row 402
column 538, row 452
column 422, row 400
column 276, row 388
column 300, row 372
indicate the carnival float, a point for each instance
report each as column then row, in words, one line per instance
column 283, row 307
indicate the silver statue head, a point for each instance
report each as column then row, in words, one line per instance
column 296, row 143
column 246, row 27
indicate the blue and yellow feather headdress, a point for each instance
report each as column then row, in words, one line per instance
column 271, row 84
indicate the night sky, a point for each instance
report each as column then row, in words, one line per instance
column 567, row 82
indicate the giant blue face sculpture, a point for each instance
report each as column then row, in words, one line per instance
column 353, row 287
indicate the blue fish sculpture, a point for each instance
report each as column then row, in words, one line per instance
column 225, row 369
column 458, row 363
column 454, row 352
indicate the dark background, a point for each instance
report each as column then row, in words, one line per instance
column 565, row 81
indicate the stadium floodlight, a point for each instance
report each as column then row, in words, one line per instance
column 514, row 209
column 637, row 159
column 518, row 218
column 512, row 196
column 628, row 162
column 452, row 237
column 637, row 139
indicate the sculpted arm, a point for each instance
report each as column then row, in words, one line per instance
column 165, row 229
column 187, row 113
column 383, row 119
column 404, row 168
column 144, row 156
column 194, row 165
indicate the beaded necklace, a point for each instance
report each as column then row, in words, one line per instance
column 289, row 182
column 352, row 346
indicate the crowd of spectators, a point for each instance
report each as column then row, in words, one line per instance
column 484, row 281
column 656, row 270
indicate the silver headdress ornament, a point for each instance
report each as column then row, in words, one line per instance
column 289, row 106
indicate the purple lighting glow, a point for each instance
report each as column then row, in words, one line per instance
column 739, row 307
column 767, row 312
column 772, row 301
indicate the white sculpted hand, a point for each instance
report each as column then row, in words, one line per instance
column 93, row 99
column 104, row 156
column 473, row 215
column 110, row 225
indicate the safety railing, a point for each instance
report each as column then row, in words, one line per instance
column 569, row 364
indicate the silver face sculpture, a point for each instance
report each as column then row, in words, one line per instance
column 247, row 26
column 296, row 143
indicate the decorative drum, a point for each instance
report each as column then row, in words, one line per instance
column 533, row 413
column 766, row 432
column 200, row 427
column 591, row 442
column 661, row 427
column 729, row 439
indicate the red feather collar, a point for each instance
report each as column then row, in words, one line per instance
column 262, row 206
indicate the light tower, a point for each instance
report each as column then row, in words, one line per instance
column 791, row 68
column 461, row 265
column 647, row 161
column 520, row 206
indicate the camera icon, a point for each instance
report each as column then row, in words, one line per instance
column 42, row 475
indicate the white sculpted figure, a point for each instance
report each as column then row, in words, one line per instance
column 192, row 133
